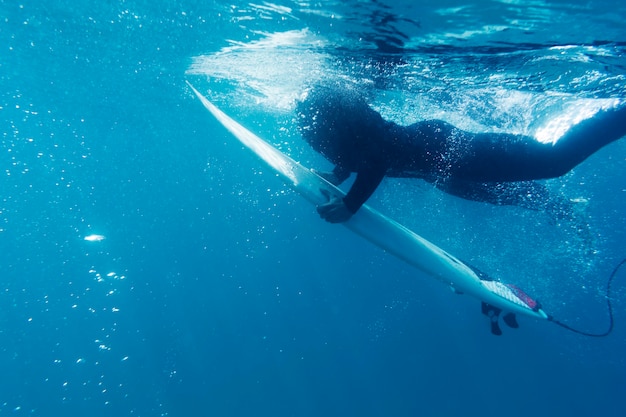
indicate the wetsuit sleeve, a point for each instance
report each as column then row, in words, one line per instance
column 364, row 186
column 341, row 174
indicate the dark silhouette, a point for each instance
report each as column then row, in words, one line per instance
column 490, row 167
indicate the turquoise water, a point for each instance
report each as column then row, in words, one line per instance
column 206, row 287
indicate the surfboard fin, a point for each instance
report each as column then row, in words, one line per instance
column 510, row 320
column 495, row 327
column 493, row 313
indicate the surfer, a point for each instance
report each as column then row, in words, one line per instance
column 496, row 168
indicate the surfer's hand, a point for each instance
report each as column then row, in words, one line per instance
column 335, row 211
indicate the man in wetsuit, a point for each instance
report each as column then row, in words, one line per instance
column 490, row 167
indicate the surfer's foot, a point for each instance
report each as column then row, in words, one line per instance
column 510, row 320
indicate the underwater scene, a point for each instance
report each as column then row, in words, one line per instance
column 151, row 265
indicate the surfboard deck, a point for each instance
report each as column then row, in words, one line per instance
column 381, row 230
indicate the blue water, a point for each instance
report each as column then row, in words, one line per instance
column 215, row 291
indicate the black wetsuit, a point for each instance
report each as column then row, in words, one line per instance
column 490, row 167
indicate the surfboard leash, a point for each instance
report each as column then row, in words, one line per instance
column 608, row 304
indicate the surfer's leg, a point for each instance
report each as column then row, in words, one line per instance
column 490, row 157
column 588, row 136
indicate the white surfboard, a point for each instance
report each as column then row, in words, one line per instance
column 383, row 231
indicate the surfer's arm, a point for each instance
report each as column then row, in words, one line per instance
column 338, row 210
column 364, row 186
column 340, row 174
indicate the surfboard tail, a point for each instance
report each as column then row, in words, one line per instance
column 518, row 299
